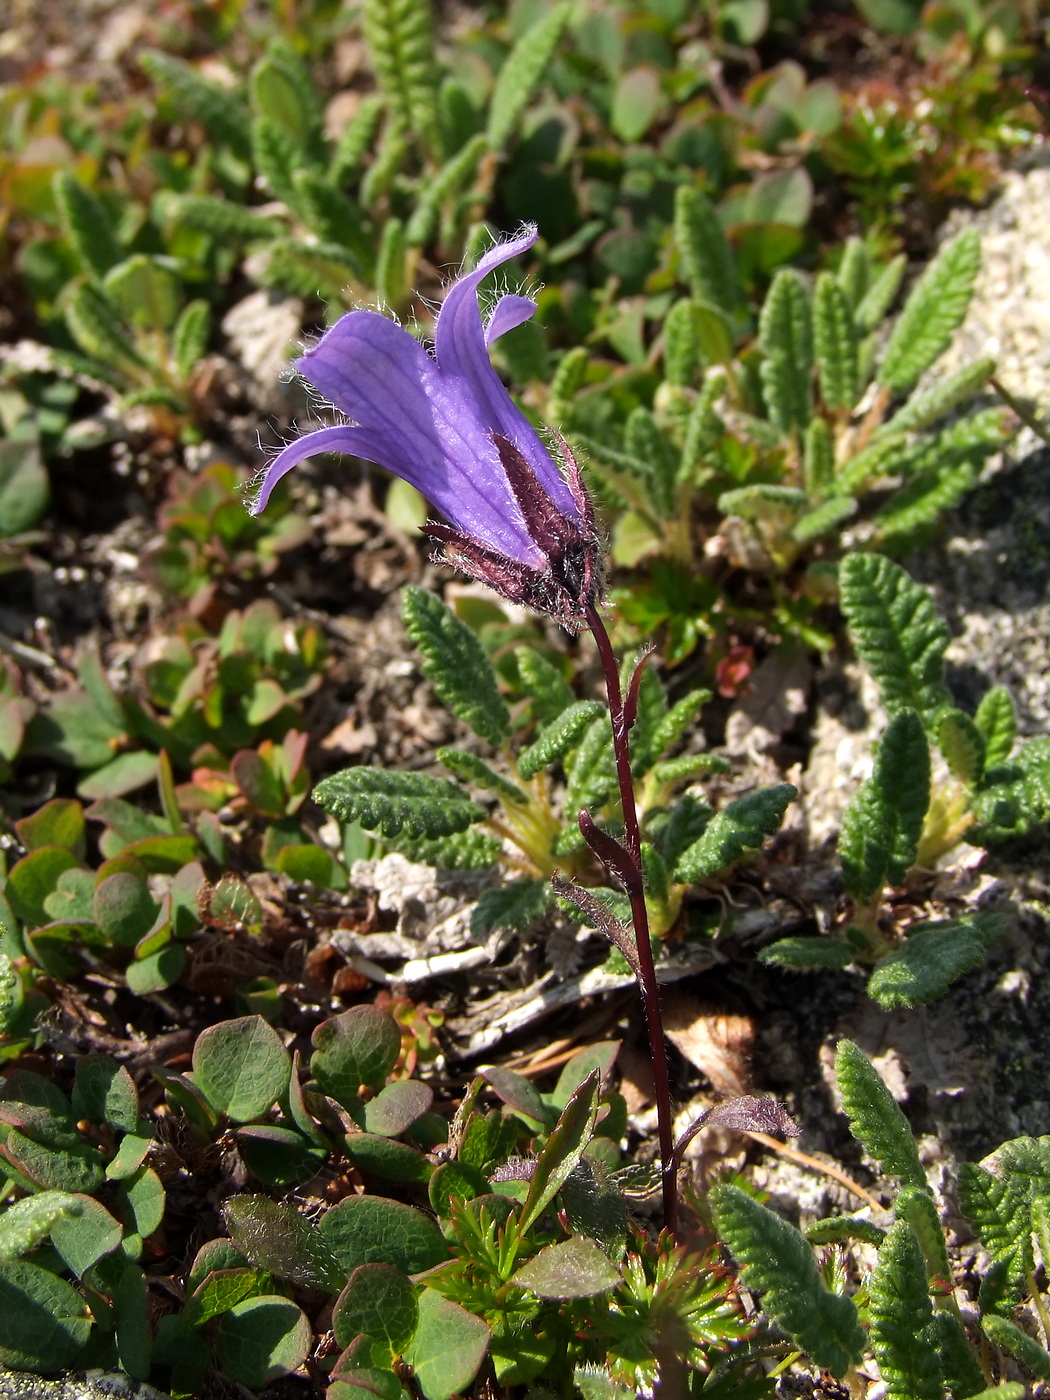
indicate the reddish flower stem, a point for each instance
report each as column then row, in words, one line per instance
column 633, row 879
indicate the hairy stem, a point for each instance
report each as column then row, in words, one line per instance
column 640, row 918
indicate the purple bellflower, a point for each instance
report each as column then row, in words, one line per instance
column 445, row 423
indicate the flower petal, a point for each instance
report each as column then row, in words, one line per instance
column 462, row 354
column 419, row 424
column 309, row 445
column 508, row 313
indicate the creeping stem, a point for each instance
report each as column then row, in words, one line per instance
column 631, row 875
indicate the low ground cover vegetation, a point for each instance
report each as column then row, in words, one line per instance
column 330, row 886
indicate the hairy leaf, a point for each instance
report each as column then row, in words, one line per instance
column 875, row 1118
column 996, row 718
column 740, row 827
column 455, row 663
column 963, row 745
column 704, row 254
column 778, row 1263
column 881, row 827
column 469, row 768
column 899, row 1309
column 932, row 957
column 835, row 342
column 785, row 334
column 561, row 735
column 933, row 312
column 521, row 71
column 392, row 802
column 928, row 405
column 1026, row 1349
column 401, row 44
column 219, row 111
column 897, row 632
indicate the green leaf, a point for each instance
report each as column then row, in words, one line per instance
column 34, row 878
column 43, row 1322
column 823, row 518
column 880, row 296
column 519, row 75
column 354, row 1050
column 740, row 827
column 637, row 101
column 925, row 407
column 704, row 254
column 189, row 339
column 84, row 1239
column 392, row 802
column 29, row 1221
column 123, row 907
column 840, row 1229
column 219, row 111
column 448, row 1347
column 561, row 735
column 592, row 773
column 374, row 1230
column 785, row 335
column 278, row 1239
column 402, row 47
column 819, row 459
column 518, row 1093
column 1000, row 1214
column 262, row 1339
column 919, row 1209
column 778, row 1262
column 932, row 957
column 98, row 329
column 562, row 1150
column 897, row 632
column 131, row 1315
column 996, row 718
column 1026, row 1349
column 807, row 952
column 516, row 905
column 442, row 188
column 146, row 290
column 835, row 341
column 396, row 1108
column 225, row 219
column 391, row 268
column 875, row 1118
column 241, row 1067
column 86, row 224
column 900, row 1310
column 142, row 1201
column 576, row 1268
column 379, row 1301
column 219, row 1291
column 383, row 1157
column 469, row 768
column 962, row 744
column 24, row 487
column 959, row 1366
column 104, row 1092
column 881, row 827
column 935, row 309
column 276, row 157
column 455, row 663
column 356, row 141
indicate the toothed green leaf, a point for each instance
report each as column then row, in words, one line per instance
column 455, row 663
column 928, row 405
column 86, row 224
column 930, row 959
column 469, row 768
column 561, row 735
column 522, row 69
column 785, row 335
column 402, row 46
column 899, row 1309
column 962, row 744
column 1026, row 1349
column 704, row 255
column 881, row 827
column 189, row 339
column 778, row 1263
column 932, row 313
column 835, row 341
column 219, row 111
column 392, row 802
column 918, row 1208
column 996, row 718
column 740, row 827
column 875, row 1118
column 897, row 632
column 548, row 691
